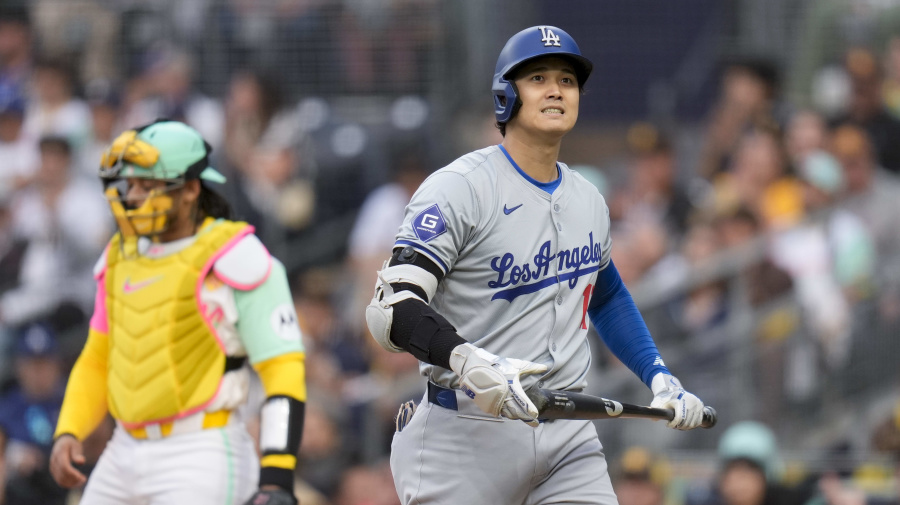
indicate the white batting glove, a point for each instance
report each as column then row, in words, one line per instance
column 493, row 382
column 668, row 394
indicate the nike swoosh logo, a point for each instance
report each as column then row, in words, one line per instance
column 510, row 211
column 128, row 287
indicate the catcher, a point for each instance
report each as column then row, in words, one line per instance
column 185, row 297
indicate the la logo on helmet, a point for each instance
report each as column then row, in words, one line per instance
column 549, row 38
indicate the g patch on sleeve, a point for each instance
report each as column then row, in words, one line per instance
column 429, row 223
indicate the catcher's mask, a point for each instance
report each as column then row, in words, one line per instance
column 169, row 151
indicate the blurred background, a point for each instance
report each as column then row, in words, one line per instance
column 749, row 151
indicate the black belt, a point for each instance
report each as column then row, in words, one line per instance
column 442, row 396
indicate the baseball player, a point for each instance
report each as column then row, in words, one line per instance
column 502, row 259
column 185, row 297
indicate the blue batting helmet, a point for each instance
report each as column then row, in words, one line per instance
column 525, row 46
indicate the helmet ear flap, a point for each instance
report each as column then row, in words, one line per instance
column 516, row 102
column 506, row 101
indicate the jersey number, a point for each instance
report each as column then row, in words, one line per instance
column 587, row 299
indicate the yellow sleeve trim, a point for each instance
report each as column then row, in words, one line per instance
column 284, row 375
column 287, row 461
column 84, row 405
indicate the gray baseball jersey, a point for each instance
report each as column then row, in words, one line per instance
column 519, row 263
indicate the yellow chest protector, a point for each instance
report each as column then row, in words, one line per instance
column 164, row 360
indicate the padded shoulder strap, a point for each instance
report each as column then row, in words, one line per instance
column 245, row 265
column 100, row 265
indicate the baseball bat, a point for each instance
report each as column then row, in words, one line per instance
column 555, row 404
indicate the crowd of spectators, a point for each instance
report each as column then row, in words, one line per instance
column 777, row 256
column 816, row 192
column 775, row 239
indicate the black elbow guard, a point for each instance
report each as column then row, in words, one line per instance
column 424, row 333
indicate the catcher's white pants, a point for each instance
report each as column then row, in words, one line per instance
column 209, row 467
column 453, row 457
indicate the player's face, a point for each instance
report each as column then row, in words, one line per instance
column 183, row 194
column 138, row 189
column 548, row 89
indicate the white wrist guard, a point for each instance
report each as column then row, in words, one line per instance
column 493, row 382
column 281, row 425
column 478, row 378
column 662, row 381
column 461, row 353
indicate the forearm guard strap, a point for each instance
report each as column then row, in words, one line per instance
column 424, row 333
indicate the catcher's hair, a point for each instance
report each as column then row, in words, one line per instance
column 213, row 204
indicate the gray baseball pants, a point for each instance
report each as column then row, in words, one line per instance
column 450, row 457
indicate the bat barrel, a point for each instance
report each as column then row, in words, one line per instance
column 554, row 404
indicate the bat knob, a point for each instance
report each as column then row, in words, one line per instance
column 710, row 418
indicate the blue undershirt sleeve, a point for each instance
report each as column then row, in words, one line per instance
column 621, row 326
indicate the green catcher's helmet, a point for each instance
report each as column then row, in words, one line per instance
column 167, row 150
